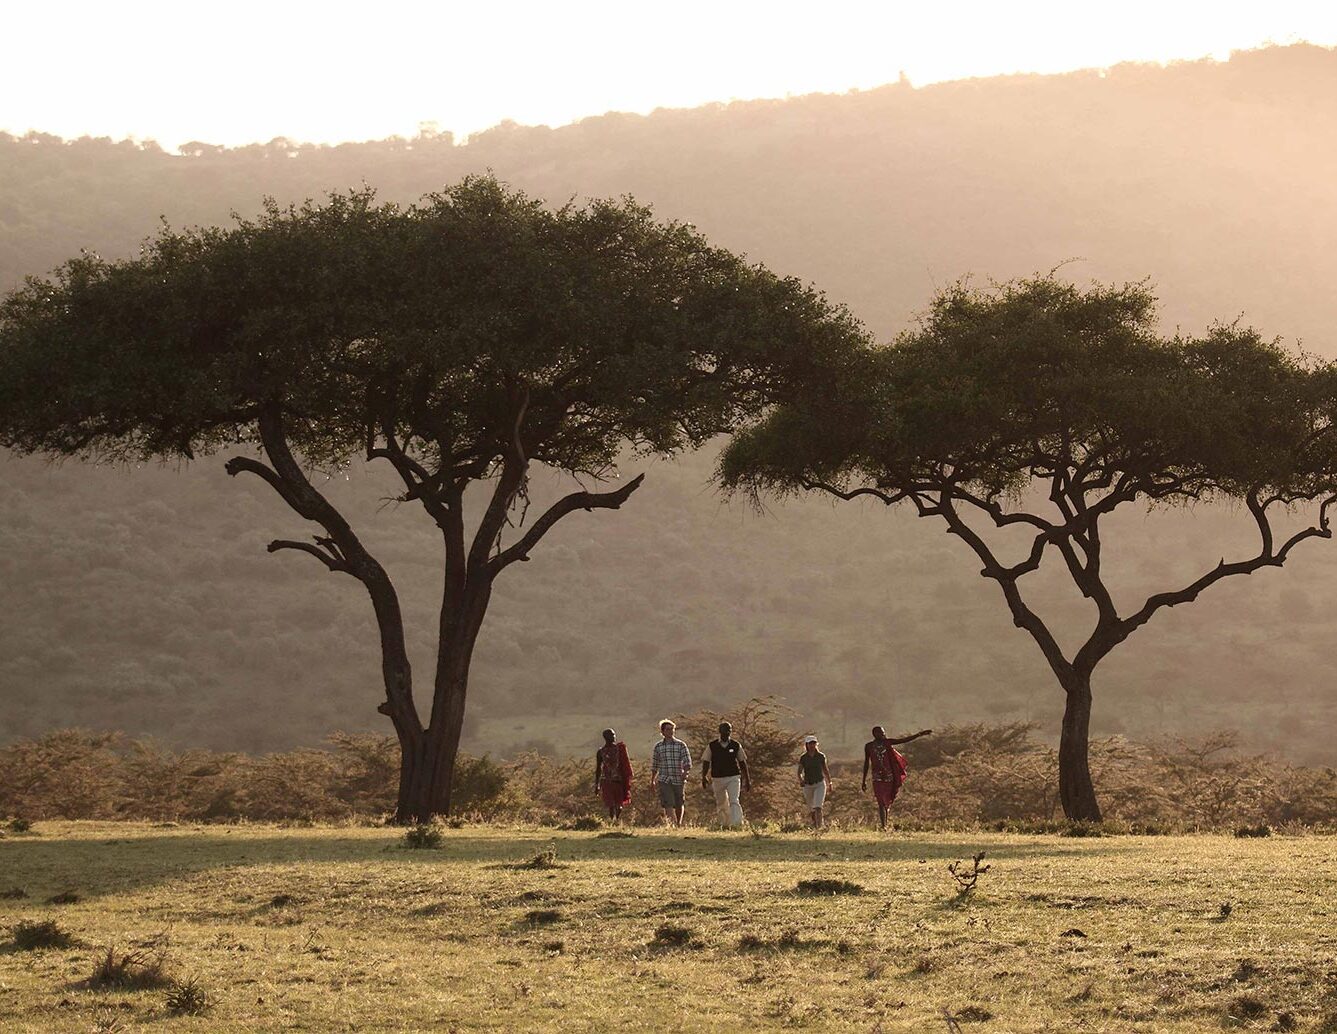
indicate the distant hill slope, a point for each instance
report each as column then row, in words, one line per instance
column 143, row 599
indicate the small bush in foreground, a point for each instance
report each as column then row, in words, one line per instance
column 106, row 1021
column 129, row 971
column 29, row 935
column 543, row 860
column 966, row 878
column 188, row 998
column 829, row 887
column 423, row 837
column 19, row 826
column 543, row 916
column 1260, row 830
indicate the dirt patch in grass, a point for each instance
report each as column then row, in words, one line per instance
column 829, row 887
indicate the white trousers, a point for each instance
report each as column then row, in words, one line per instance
column 726, row 799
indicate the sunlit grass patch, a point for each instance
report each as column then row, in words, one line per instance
column 342, row 928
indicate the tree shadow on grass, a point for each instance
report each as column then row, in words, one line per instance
column 145, row 858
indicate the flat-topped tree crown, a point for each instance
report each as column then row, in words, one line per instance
column 461, row 339
column 1038, row 408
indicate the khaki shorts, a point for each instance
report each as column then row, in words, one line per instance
column 815, row 794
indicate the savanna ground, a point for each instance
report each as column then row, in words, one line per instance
column 329, row 929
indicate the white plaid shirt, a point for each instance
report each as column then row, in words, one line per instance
column 672, row 761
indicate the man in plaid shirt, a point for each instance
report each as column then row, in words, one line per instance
column 668, row 770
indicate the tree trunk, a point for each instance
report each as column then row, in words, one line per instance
column 1075, row 788
column 427, row 771
column 424, row 778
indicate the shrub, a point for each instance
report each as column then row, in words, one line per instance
column 424, row 836
column 543, row 916
column 130, row 971
column 29, row 935
column 546, row 859
column 188, row 998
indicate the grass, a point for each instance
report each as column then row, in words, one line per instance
column 702, row 926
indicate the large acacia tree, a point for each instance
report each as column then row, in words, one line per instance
column 463, row 341
column 1036, row 409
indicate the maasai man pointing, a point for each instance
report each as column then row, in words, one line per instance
column 888, row 768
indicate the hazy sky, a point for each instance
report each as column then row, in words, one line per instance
column 246, row 71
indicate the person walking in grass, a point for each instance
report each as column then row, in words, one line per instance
column 724, row 770
column 815, row 779
column 669, row 766
column 612, row 774
column 888, row 767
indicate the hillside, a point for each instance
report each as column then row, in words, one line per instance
column 143, row 600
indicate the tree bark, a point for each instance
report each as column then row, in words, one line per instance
column 1075, row 788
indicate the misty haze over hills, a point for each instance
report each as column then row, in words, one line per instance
column 143, row 599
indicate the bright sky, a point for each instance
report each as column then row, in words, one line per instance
column 243, row 71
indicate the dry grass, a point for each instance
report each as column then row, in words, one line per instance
column 701, row 926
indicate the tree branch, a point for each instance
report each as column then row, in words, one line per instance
column 1266, row 558
column 567, row 504
column 326, row 556
column 341, row 550
column 840, row 493
column 1022, row 615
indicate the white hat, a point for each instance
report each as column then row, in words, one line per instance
column 809, row 739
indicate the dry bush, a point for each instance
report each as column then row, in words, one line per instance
column 32, row 934
column 129, row 971
column 961, row 775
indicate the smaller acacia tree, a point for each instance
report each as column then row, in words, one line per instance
column 464, row 341
column 1040, row 408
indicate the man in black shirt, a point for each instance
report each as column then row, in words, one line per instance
column 725, row 771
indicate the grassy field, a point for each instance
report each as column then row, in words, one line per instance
column 338, row 929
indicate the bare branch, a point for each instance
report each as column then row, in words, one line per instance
column 326, row 557
column 567, row 504
column 840, row 493
column 1266, row 558
column 1022, row 615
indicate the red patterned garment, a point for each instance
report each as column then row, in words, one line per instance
column 615, row 775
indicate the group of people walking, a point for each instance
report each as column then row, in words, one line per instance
column 724, row 771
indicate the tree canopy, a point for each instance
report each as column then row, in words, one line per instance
column 1039, row 407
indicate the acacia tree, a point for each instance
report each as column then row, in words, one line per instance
column 462, row 341
column 1036, row 408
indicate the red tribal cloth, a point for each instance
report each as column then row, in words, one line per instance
column 615, row 775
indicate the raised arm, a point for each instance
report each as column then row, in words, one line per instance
column 907, row 739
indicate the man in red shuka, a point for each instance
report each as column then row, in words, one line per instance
column 888, row 767
column 612, row 774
